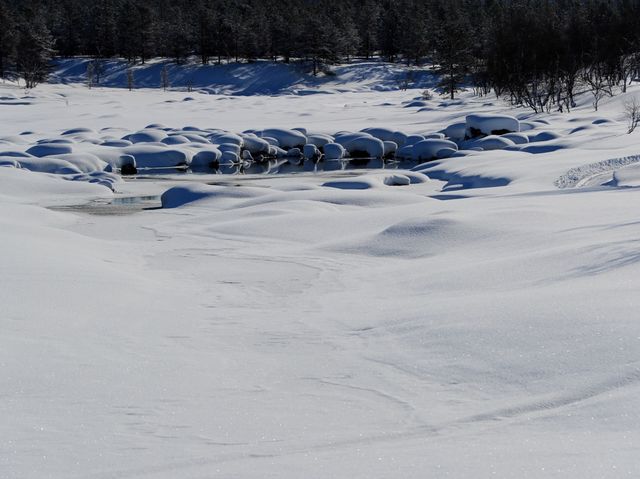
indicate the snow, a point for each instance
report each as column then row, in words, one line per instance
column 476, row 317
column 334, row 151
column 429, row 149
column 489, row 124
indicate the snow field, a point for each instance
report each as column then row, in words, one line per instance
column 475, row 317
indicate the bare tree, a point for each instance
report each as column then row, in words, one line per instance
column 90, row 74
column 130, row 82
column 632, row 114
column 164, row 78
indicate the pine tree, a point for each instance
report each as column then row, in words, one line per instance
column 34, row 50
column 453, row 49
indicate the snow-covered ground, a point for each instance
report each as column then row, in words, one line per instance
column 480, row 323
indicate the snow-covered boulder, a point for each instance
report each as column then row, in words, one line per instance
column 225, row 137
column 517, row 138
column 479, row 124
column 50, row 149
column 286, row 138
column 430, row 149
column 209, row 158
column 319, row 139
column 230, row 147
column 255, row 145
column 146, row 136
column 150, row 156
column 542, row 136
column 193, row 138
column 175, row 140
column 399, row 138
column 311, row 151
column 413, row 139
column 47, row 164
column 492, row 142
column 75, row 131
column 390, row 148
column 334, row 151
column 364, row 146
column 85, row 162
column 229, row 157
column 116, row 143
column 456, row 131
column 271, row 141
column 405, row 152
column 434, row 136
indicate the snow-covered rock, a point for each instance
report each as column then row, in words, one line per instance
column 146, row 136
column 429, row 149
column 209, row 158
column 150, row 156
column 517, row 138
column 390, row 148
column 413, row 139
column 85, row 162
column 256, row 145
column 364, row 146
column 230, row 147
column 50, row 149
column 490, row 124
column 319, row 140
column 310, row 151
column 286, row 138
column 334, row 151
column 455, row 131
column 492, row 142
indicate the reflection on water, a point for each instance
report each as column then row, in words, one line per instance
column 288, row 166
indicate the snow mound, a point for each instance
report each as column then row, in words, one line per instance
column 456, row 131
column 286, row 138
column 50, row 149
column 493, row 142
column 377, row 180
column 627, row 176
column 151, row 156
column 209, row 157
column 146, row 136
column 488, row 124
column 426, row 150
column 334, row 151
column 183, row 195
column 365, row 146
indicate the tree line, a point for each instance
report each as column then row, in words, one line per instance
column 538, row 53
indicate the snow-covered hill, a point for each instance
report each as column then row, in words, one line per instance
column 257, row 78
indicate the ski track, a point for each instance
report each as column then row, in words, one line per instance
column 590, row 175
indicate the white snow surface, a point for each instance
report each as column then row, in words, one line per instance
column 477, row 317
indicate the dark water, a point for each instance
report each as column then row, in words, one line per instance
column 286, row 167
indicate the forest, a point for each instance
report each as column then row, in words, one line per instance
column 539, row 54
